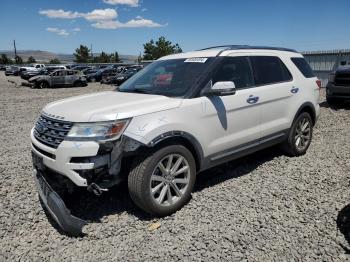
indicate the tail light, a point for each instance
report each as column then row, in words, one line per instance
column 318, row 82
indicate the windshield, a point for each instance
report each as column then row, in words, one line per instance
column 167, row 77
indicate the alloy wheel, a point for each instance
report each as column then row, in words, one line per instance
column 170, row 179
column 303, row 134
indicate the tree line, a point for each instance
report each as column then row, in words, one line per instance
column 5, row 60
column 152, row 51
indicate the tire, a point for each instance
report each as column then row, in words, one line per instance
column 299, row 130
column 77, row 84
column 146, row 175
column 43, row 84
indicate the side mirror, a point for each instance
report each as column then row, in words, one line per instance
column 224, row 88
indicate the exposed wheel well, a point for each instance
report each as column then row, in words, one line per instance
column 308, row 109
column 180, row 140
column 44, row 82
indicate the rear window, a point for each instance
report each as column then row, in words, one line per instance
column 269, row 70
column 303, row 66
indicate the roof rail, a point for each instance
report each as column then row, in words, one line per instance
column 238, row 47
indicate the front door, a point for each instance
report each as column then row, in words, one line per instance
column 58, row 78
column 233, row 121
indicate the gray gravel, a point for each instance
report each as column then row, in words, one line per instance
column 264, row 207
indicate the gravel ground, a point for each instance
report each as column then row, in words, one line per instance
column 263, row 207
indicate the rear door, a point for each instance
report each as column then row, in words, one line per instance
column 275, row 84
column 70, row 77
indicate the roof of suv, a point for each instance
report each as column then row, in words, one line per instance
column 226, row 49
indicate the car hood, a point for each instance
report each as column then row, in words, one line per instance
column 343, row 69
column 34, row 78
column 110, row 105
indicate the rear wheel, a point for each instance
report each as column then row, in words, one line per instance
column 162, row 182
column 300, row 135
column 77, row 84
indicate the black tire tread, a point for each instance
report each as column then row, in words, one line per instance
column 137, row 179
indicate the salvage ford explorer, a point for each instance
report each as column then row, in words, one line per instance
column 181, row 115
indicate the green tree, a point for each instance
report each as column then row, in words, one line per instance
column 154, row 50
column 104, row 58
column 18, row 60
column 31, row 60
column 55, row 61
column 82, row 54
column 116, row 58
column 5, row 60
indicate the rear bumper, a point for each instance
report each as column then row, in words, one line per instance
column 56, row 207
column 337, row 91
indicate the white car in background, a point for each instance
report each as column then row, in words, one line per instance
column 181, row 115
column 34, row 67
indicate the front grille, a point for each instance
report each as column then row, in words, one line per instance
column 51, row 132
column 342, row 79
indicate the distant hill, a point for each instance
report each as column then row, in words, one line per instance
column 45, row 56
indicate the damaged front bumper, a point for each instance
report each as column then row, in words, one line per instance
column 73, row 165
column 57, row 208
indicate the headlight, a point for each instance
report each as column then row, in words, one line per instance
column 331, row 77
column 121, row 78
column 98, row 130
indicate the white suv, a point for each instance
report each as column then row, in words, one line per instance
column 180, row 115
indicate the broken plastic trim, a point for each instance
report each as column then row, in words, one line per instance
column 57, row 208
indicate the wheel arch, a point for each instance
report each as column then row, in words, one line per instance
column 44, row 81
column 182, row 138
column 309, row 108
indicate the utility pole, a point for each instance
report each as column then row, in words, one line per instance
column 14, row 45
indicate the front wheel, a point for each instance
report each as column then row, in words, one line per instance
column 43, row 85
column 300, row 135
column 161, row 183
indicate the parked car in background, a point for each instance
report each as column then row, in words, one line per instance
column 80, row 67
column 57, row 67
column 338, row 87
column 26, row 75
column 59, row 78
column 33, row 67
column 2, row 67
column 97, row 76
column 88, row 71
column 121, row 77
column 183, row 114
column 12, row 70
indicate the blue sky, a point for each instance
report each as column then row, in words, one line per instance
column 124, row 25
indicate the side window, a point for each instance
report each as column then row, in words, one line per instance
column 235, row 69
column 70, row 73
column 269, row 70
column 303, row 66
column 61, row 73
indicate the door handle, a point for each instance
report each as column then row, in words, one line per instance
column 252, row 99
column 294, row 90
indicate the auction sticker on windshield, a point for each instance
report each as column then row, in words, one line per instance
column 196, row 60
